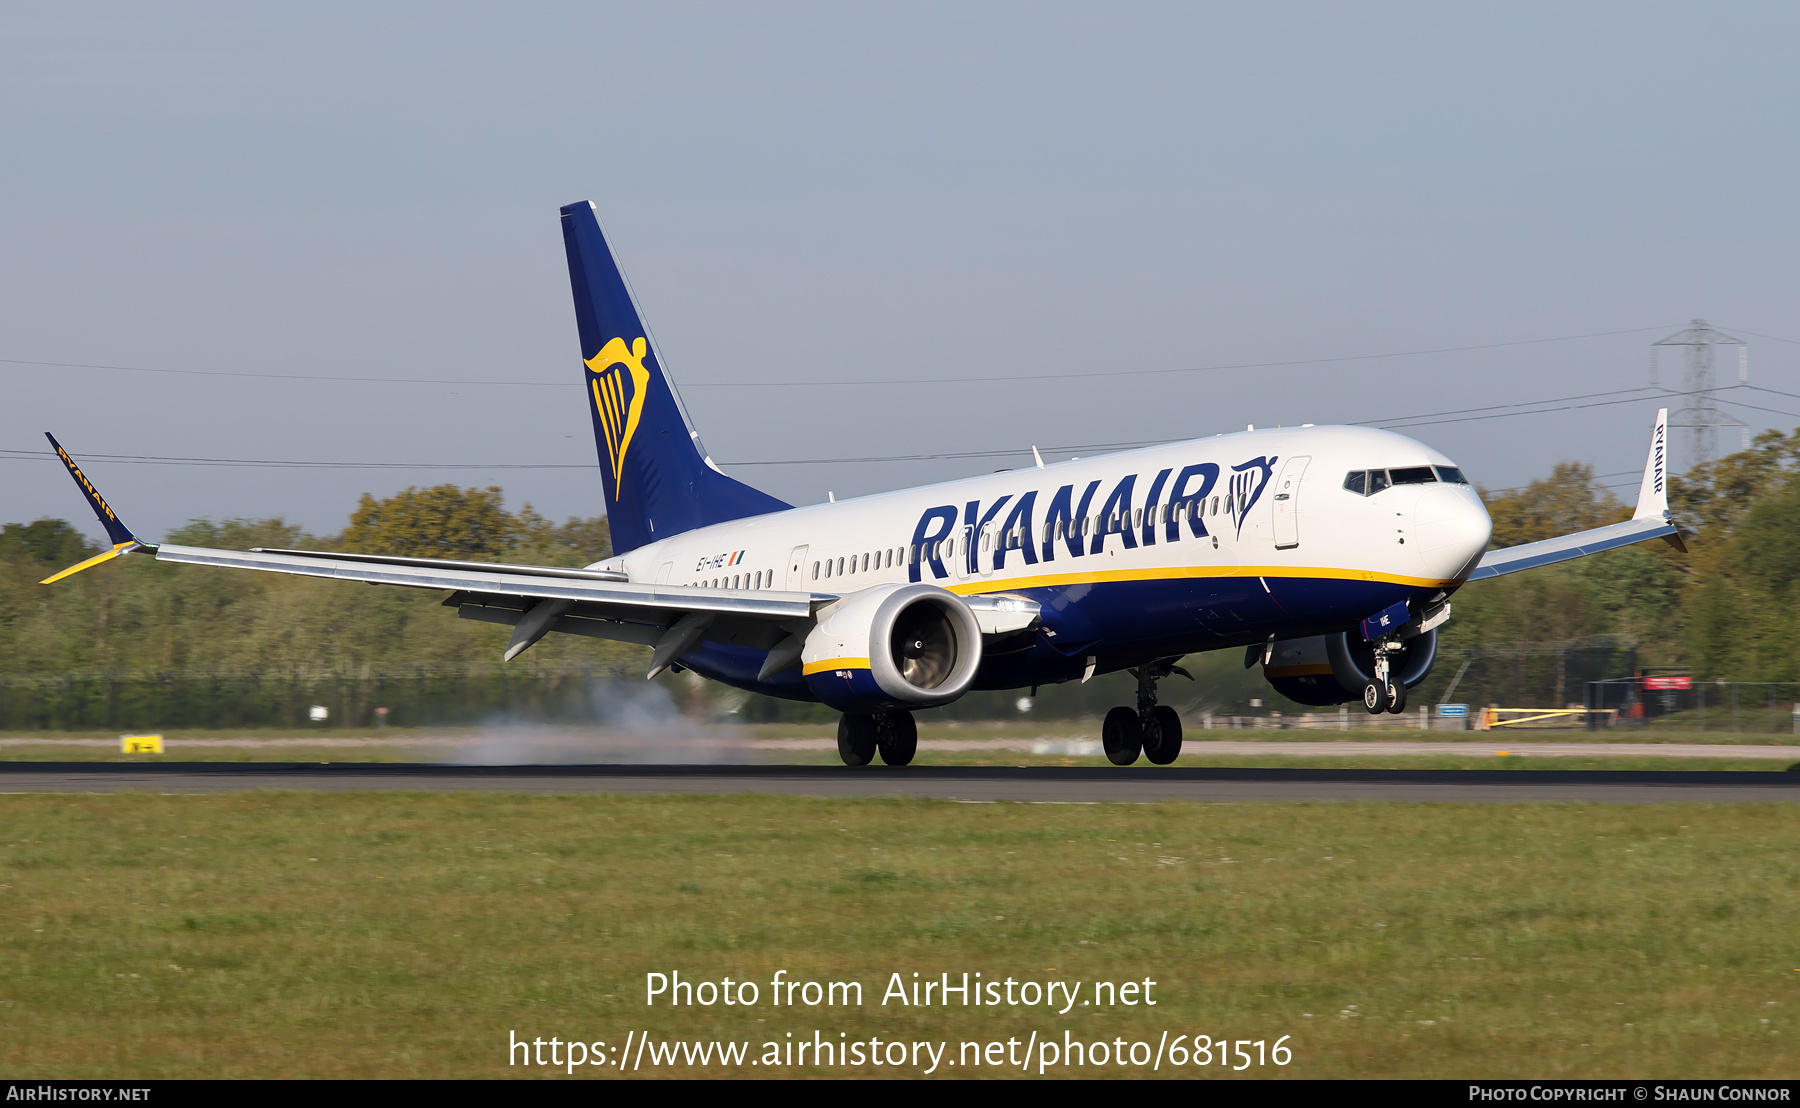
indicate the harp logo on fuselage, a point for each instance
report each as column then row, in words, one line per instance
column 619, row 384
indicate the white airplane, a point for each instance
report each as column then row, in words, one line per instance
column 1329, row 553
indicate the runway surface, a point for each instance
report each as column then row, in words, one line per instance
column 706, row 748
column 1057, row 784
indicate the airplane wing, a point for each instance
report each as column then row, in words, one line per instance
column 535, row 600
column 1651, row 520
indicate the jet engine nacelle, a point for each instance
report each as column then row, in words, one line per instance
column 1332, row 669
column 893, row 647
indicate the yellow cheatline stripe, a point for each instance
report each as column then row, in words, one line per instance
column 1296, row 671
column 811, row 668
column 1184, row 572
column 118, row 549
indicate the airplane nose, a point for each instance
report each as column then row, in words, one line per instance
column 1453, row 528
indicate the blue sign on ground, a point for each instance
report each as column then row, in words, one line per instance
column 1447, row 711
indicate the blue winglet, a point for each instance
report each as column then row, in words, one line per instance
column 115, row 530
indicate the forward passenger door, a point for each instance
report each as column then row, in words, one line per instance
column 1287, row 502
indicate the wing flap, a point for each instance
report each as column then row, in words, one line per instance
column 624, row 598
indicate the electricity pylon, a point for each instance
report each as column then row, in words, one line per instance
column 1699, row 417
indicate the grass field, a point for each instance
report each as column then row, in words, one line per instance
column 391, row 934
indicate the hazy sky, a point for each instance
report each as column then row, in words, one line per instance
column 844, row 193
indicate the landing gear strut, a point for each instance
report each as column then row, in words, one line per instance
column 1152, row 728
column 1387, row 693
column 862, row 735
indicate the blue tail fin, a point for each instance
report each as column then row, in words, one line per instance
column 657, row 481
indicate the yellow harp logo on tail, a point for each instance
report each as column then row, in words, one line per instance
column 619, row 383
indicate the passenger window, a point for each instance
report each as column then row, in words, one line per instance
column 1215, row 510
column 1450, row 475
column 1357, row 482
column 1378, row 480
column 815, row 571
column 1412, row 475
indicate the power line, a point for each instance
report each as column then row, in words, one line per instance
column 1500, row 411
column 274, row 463
column 1754, row 407
column 1503, row 411
column 1771, row 338
column 835, row 383
column 284, row 376
column 1182, row 369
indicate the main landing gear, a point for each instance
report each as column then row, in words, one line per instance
column 1387, row 693
column 1151, row 728
column 861, row 735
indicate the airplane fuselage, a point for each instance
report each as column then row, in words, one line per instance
column 1134, row 556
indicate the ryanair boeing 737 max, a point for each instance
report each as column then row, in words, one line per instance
column 1328, row 553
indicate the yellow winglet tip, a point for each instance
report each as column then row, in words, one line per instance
column 121, row 548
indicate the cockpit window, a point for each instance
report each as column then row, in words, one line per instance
column 1368, row 482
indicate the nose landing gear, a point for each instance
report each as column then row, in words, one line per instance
column 1151, row 729
column 1387, row 693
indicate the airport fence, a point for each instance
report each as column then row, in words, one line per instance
column 213, row 700
column 454, row 695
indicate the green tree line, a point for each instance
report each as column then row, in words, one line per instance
column 139, row 642
column 1724, row 611
column 136, row 638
